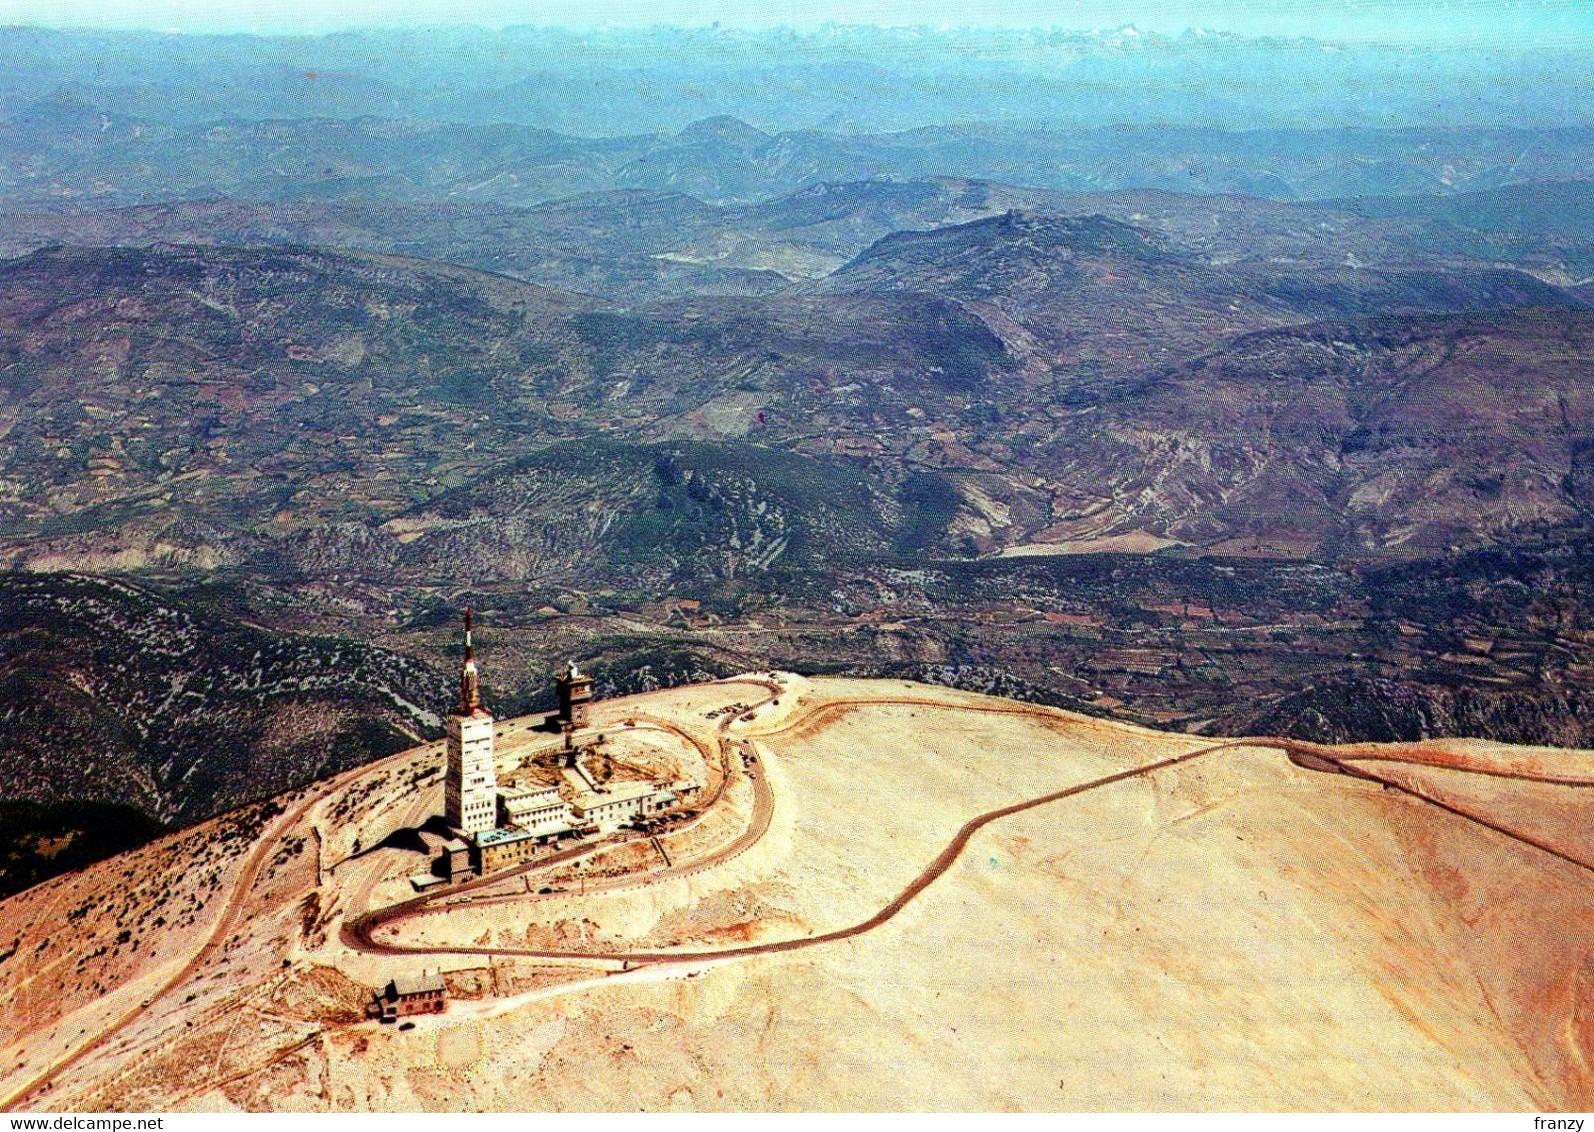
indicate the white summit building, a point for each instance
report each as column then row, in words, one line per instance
column 470, row 784
column 496, row 827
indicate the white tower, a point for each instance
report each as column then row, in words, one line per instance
column 470, row 784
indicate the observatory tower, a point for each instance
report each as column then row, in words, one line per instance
column 470, row 784
column 575, row 696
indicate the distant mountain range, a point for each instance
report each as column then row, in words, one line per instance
column 76, row 152
column 224, row 406
column 845, row 80
column 629, row 244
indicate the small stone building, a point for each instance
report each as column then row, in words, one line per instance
column 501, row 848
column 406, row 995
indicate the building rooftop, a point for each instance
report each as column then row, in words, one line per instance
column 530, row 790
column 618, row 792
column 501, row 836
column 416, row 984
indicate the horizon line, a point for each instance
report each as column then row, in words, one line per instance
column 1558, row 30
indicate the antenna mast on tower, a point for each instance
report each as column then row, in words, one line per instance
column 470, row 697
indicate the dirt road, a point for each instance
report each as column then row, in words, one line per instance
column 226, row 923
column 361, row 934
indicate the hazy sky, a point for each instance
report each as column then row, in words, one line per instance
column 1515, row 23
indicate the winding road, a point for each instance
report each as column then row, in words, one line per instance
column 360, row 932
column 231, row 913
